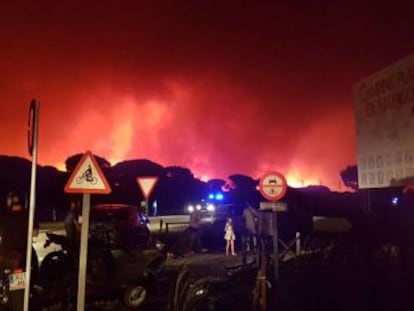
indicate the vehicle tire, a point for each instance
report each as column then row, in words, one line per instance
column 53, row 266
column 135, row 297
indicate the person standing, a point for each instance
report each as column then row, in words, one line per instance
column 251, row 217
column 229, row 236
column 194, row 232
column 189, row 241
column 72, row 224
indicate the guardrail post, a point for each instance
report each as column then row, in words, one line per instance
column 161, row 223
column 297, row 243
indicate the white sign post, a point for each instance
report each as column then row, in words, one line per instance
column 86, row 178
column 33, row 130
column 273, row 186
column 384, row 111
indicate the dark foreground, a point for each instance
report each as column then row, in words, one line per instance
column 344, row 287
column 306, row 287
column 308, row 282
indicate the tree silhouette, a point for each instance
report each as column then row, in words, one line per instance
column 350, row 177
column 176, row 186
column 216, row 184
column 244, row 191
column 72, row 161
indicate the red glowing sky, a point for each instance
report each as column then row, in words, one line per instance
column 222, row 88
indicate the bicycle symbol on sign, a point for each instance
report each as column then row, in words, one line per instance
column 87, row 176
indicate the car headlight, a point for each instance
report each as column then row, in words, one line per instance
column 198, row 207
column 190, row 208
column 211, row 208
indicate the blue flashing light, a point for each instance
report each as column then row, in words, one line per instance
column 211, row 196
column 219, row 196
column 394, row 201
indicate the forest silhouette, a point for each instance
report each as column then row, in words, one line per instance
column 177, row 187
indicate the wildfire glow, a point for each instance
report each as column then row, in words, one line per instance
column 295, row 181
column 170, row 130
column 204, row 178
column 219, row 99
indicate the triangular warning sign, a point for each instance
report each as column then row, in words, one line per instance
column 87, row 177
column 147, row 185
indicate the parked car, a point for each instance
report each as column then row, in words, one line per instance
column 119, row 226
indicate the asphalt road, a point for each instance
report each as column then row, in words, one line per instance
column 303, row 286
column 213, row 261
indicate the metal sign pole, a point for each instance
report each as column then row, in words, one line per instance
column 275, row 247
column 33, row 141
column 260, row 248
column 83, row 251
column 78, row 182
column 368, row 201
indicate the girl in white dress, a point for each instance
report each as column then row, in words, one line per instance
column 229, row 236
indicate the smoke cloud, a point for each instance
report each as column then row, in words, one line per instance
column 221, row 89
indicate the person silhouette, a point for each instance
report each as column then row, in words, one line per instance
column 229, row 236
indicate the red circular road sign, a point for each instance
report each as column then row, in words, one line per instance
column 30, row 126
column 273, row 186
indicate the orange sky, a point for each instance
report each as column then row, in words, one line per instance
column 220, row 89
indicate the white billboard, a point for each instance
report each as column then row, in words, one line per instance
column 384, row 109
